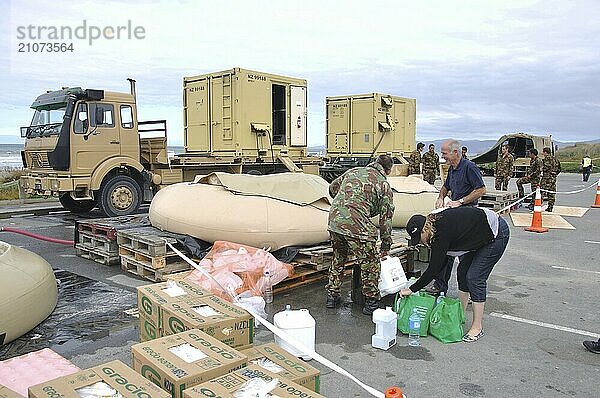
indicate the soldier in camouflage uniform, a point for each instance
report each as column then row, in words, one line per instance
column 550, row 169
column 431, row 164
column 414, row 162
column 504, row 169
column 533, row 174
column 358, row 195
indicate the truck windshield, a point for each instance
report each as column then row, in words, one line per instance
column 46, row 122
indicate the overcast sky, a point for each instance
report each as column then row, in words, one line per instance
column 478, row 69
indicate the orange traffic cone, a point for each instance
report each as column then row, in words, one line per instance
column 536, row 221
column 393, row 392
column 597, row 203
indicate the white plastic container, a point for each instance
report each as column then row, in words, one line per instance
column 385, row 328
column 300, row 325
column 392, row 277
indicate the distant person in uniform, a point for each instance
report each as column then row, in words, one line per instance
column 586, row 167
column 358, row 195
column 431, row 164
column 464, row 153
column 533, row 175
column 414, row 162
column 504, row 169
column 550, row 169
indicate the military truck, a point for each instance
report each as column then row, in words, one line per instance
column 360, row 127
column 519, row 145
column 88, row 147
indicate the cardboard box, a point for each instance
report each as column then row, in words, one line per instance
column 6, row 392
column 148, row 330
column 157, row 361
column 152, row 297
column 225, row 386
column 116, row 374
column 293, row 368
column 220, row 319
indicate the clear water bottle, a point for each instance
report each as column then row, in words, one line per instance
column 268, row 288
column 439, row 298
column 414, row 329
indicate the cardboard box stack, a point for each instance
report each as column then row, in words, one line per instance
column 186, row 359
column 116, row 374
column 152, row 298
column 277, row 360
column 165, row 311
column 225, row 386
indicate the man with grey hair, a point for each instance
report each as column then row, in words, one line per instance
column 465, row 185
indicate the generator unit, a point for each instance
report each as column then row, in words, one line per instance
column 245, row 114
column 359, row 126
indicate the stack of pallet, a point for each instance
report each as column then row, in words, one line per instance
column 96, row 239
column 145, row 252
column 498, row 200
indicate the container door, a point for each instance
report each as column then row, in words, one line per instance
column 362, row 126
column 338, row 126
column 196, row 116
column 221, row 114
column 298, row 116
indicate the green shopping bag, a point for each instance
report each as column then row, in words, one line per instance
column 447, row 318
column 423, row 302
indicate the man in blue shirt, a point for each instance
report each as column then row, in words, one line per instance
column 465, row 185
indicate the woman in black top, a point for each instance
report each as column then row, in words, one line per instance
column 477, row 234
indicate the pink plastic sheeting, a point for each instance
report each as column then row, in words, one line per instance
column 239, row 268
column 37, row 367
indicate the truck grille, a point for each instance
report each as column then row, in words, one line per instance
column 39, row 160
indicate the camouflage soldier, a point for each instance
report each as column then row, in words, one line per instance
column 414, row 162
column 504, row 169
column 431, row 164
column 358, row 195
column 533, row 174
column 550, row 169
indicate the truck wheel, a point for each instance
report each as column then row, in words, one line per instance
column 120, row 196
column 76, row 206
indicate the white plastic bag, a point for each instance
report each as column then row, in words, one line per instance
column 256, row 388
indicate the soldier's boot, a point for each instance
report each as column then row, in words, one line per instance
column 333, row 300
column 370, row 306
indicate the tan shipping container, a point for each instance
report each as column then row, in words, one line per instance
column 244, row 113
column 357, row 124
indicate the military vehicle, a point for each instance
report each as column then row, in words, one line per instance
column 519, row 145
column 88, row 147
column 360, row 127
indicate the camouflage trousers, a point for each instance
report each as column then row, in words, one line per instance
column 502, row 183
column 548, row 183
column 413, row 170
column 429, row 175
column 526, row 180
column 365, row 252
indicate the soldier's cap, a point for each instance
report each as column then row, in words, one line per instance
column 414, row 227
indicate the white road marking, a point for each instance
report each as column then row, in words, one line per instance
column 591, row 241
column 574, row 269
column 546, row 325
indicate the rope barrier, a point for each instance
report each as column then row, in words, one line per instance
column 570, row 192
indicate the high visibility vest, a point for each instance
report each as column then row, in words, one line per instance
column 587, row 162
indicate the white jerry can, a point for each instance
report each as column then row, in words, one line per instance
column 392, row 277
column 300, row 325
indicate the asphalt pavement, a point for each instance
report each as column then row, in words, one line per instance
column 542, row 303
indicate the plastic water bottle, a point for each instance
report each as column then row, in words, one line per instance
column 268, row 288
column 414, row 329
column 439, row 298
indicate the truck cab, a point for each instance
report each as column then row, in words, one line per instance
column 84, row 147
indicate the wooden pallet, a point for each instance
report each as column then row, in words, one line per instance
column 108, row 227
column 155, row 275
column 500, row 196
column 98, row 242
column 148, row 240
column 97, row 255
column 152, row 262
